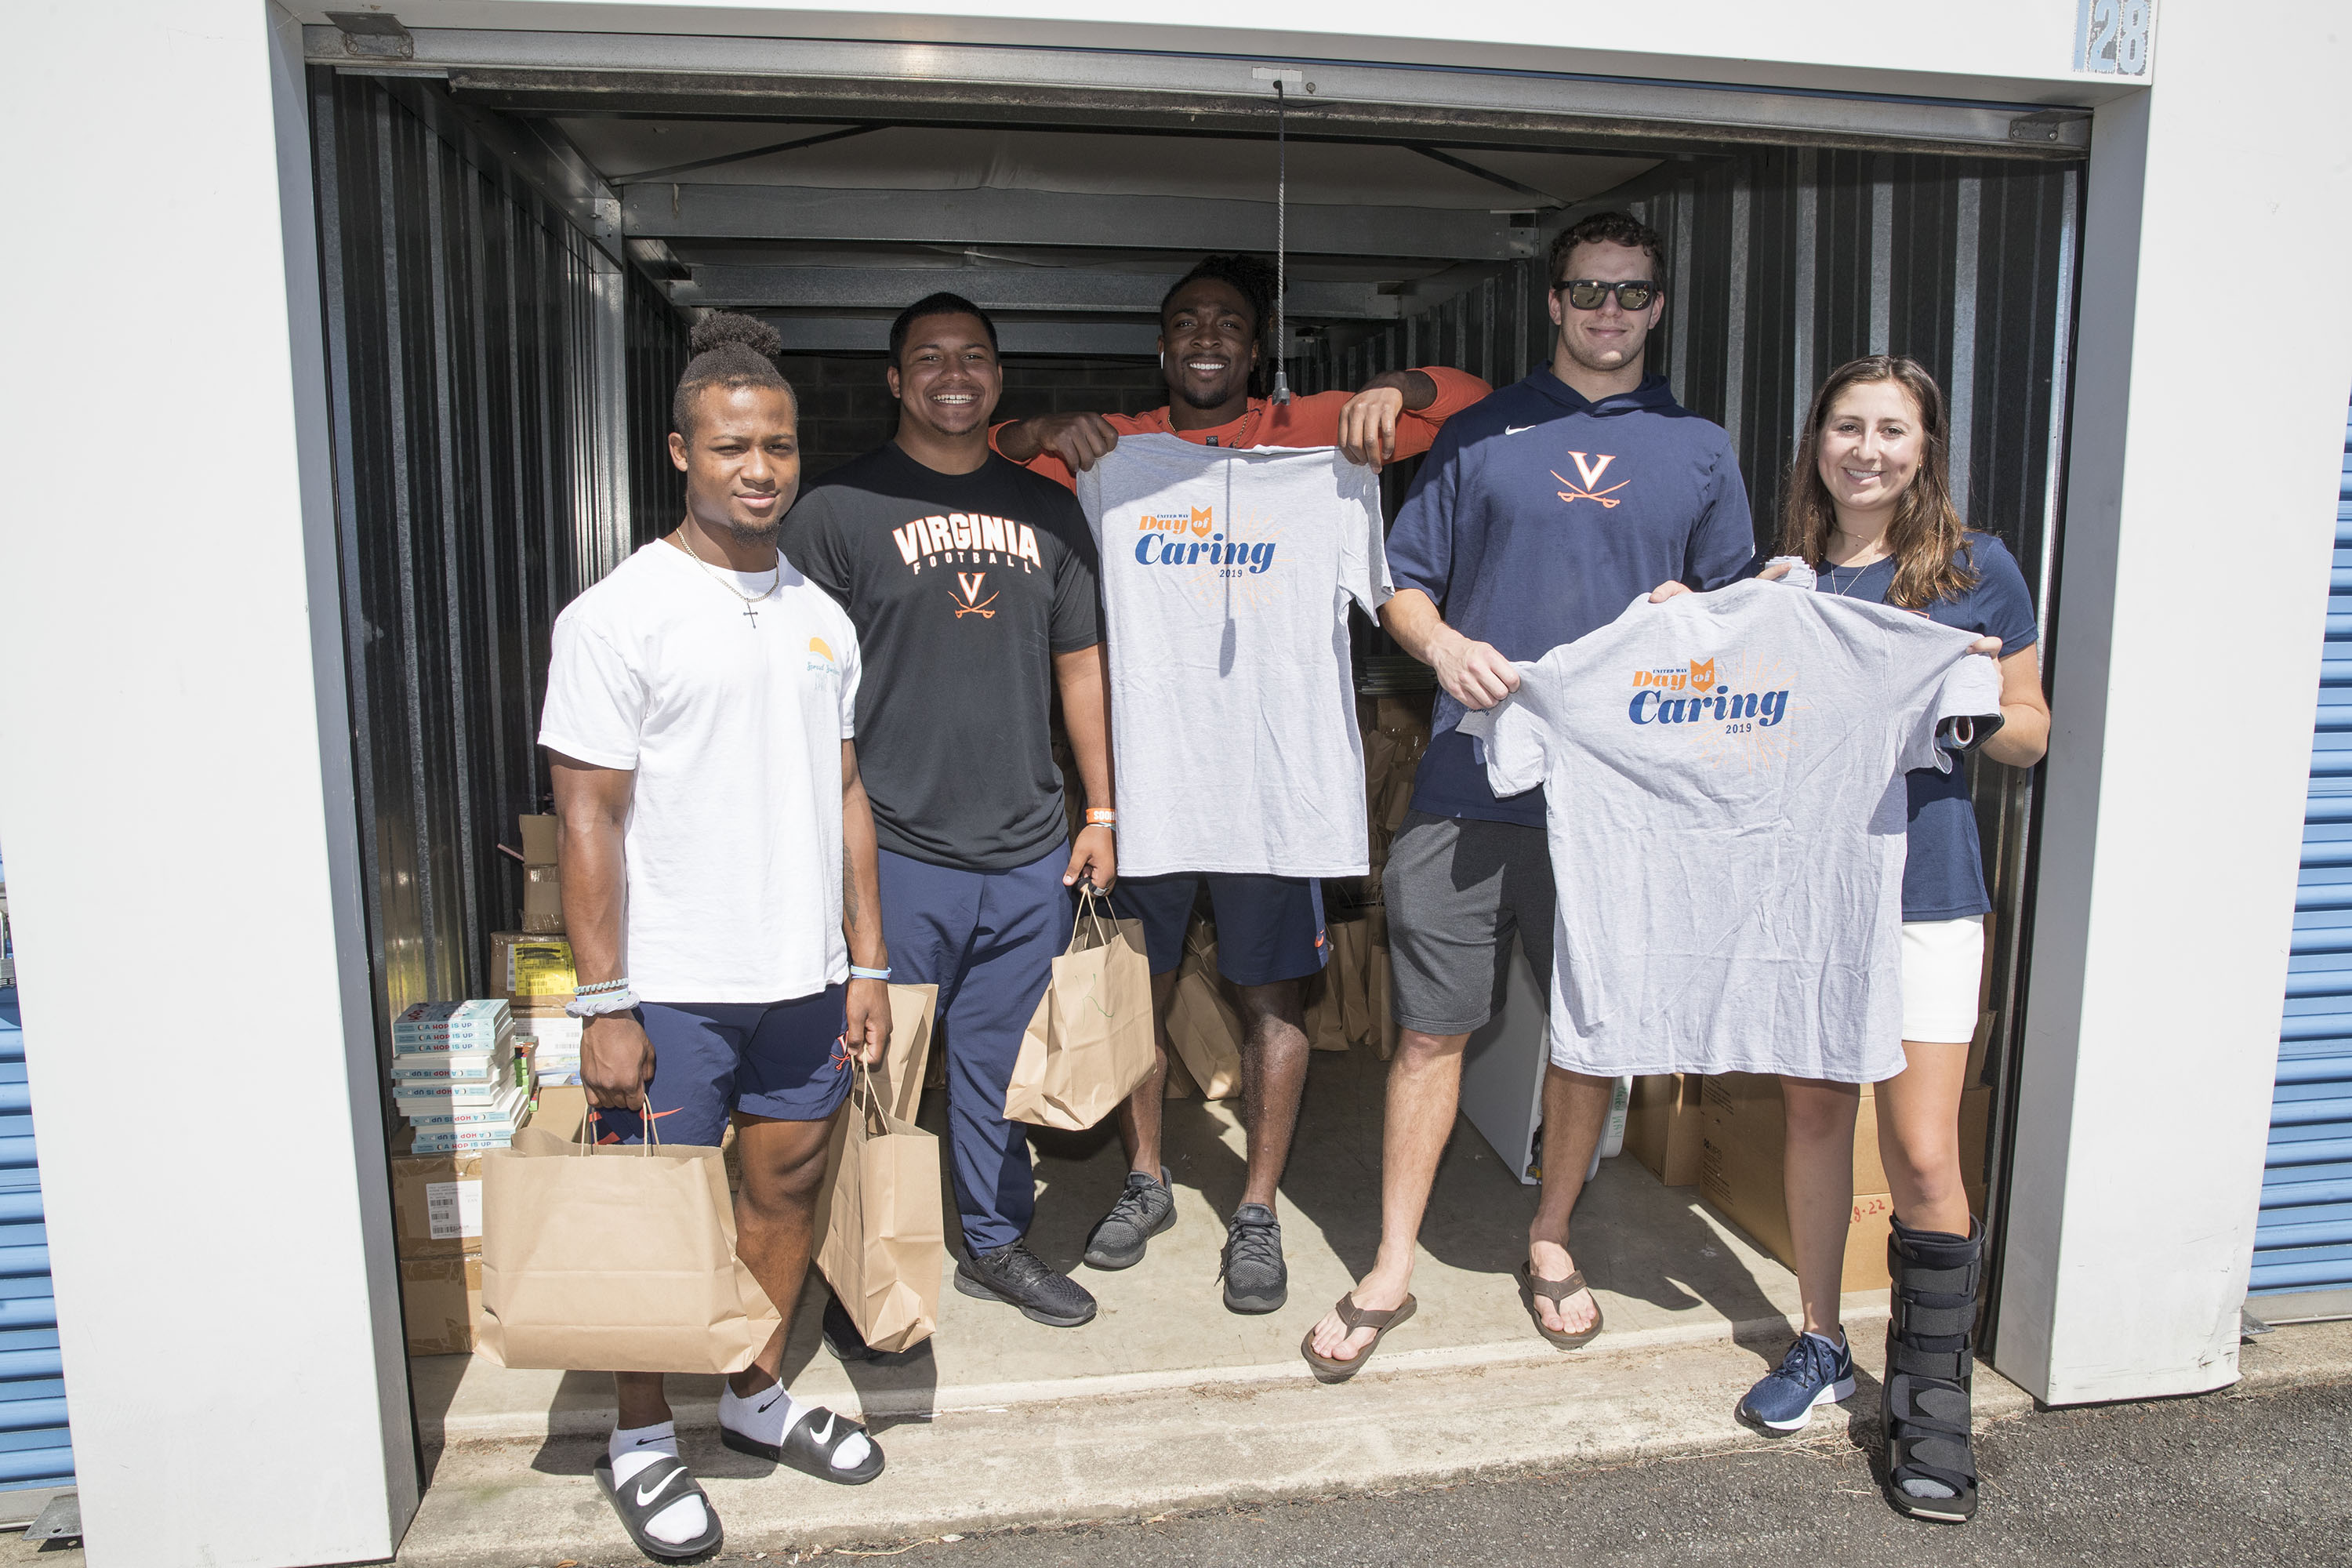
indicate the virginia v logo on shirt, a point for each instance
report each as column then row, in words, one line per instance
column 968, row 599
column 1589, row 469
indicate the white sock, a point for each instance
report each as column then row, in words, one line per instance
column 766, row 1415
column 634, row 1447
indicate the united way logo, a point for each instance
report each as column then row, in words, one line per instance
column 1690, row 694
column 1589, row 471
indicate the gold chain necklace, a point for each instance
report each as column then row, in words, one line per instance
column 686, row 541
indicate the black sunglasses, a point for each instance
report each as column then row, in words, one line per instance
column 1633, row 294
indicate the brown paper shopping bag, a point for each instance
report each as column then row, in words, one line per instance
column 903, row 1073
column 1350, row 971
column 1089, row 1042
column 614, row 1259
column 884, row 1246
column 1204, row 1028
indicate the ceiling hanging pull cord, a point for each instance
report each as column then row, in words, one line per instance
column 1281, row 243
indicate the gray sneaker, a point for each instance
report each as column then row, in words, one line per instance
column 1256, row 1279
column 1145, row 1209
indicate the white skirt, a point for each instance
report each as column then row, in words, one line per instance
column 1943, row 964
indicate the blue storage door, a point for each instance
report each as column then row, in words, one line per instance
column 2303, row 1245
column 34, row 1448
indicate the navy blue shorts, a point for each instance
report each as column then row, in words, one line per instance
column 1269, row 927
column 783, row 1060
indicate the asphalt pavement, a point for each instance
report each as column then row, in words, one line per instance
column 2220, row 1478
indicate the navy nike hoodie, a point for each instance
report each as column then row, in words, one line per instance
column 1538, row 517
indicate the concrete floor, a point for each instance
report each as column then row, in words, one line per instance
column 1665, row 1270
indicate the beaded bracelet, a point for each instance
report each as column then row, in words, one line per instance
column 598, row 987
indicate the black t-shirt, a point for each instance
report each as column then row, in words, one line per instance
column 962, row 588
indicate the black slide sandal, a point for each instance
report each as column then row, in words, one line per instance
column 649, row 1491
column 809, row 1446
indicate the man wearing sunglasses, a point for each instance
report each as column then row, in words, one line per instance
column 1539, row 515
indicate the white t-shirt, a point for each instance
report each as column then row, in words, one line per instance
column 1226, row 574
column 733, row 723
column 1723, row 778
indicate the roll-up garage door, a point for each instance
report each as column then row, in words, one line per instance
column 2303, row 1247
column 34, row 1450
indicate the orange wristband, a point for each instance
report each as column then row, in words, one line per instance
column 1101, row 817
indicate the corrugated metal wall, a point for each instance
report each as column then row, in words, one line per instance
column 1780, row 265
column 2303, row 1244
column 476, row 343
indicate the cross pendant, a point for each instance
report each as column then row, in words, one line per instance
column 751, row 617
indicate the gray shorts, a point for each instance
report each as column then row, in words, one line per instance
column 1456, row 891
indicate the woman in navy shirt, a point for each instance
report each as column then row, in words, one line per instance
column 1869, row 506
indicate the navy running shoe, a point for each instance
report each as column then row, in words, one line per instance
column 1813, row 1373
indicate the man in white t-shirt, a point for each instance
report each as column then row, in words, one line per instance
column 719, row 889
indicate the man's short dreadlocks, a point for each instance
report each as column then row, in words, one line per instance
column 730, row 350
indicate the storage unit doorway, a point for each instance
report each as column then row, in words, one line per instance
column 513, row 227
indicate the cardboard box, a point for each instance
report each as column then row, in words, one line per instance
column 534, row 970
column 1663, row 1126
column 538, row 839
column 1743, row 1141
column 542, row 899
column 436, row 1205
column 440, row 1298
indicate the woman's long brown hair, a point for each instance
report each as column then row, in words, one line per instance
column 1926, row 538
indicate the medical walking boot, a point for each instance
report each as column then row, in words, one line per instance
column 1931, row 1471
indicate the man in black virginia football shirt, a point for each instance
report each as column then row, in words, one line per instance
column 972, row 584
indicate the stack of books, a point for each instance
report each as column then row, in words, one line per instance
column 553, row 1047
column 457, row 1078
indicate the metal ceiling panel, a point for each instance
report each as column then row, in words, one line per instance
column 590, row 73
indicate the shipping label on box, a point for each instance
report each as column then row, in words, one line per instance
column 453, row 1210
column 536, row 970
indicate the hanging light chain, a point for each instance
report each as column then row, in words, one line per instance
column 1281, row 243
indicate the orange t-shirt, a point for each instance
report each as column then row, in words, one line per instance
column 1302, row 422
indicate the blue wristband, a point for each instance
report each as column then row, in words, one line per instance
column 857, row 972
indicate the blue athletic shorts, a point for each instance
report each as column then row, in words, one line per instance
column 1269, row 927
column 783, row 1060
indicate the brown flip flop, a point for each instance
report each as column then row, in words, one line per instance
column 1557, row 1291
column 1330, row 1369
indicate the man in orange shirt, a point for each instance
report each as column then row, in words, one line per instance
column 1270, row 935
column 1209, row 325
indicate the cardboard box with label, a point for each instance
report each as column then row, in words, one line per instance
column 439, row 1299
column 534, row 971
column 1743, row 1141
column 436, row 1205
column 1663, row 1126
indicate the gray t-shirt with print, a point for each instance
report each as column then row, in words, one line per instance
column 1723, row 776
column 1226, row 574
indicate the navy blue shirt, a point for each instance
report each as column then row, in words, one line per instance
column 1943, row 873
column 1539, row 517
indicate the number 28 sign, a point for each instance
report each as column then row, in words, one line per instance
column 2112, row 37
